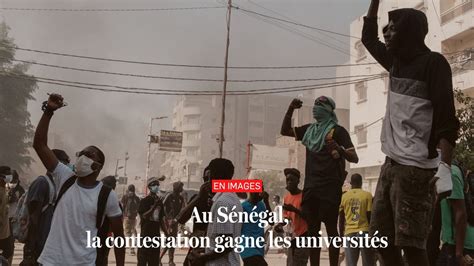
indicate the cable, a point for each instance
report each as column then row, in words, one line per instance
column 179, row 92
column 337, row 83
column 366, row 126
column 176, row 78
column 107, row 9
column 284, row 16
column 294, row 23
column 300, row 33
column 179, row 65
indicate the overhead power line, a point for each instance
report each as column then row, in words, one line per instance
column 149, row 91
column 178, row 65
column 299, row 33
column 107, row 9
column 366, row 126
column 286, row 17
column 180, row 78
column 295, row 23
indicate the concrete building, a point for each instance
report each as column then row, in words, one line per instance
column 255, row 118
column 451, row 32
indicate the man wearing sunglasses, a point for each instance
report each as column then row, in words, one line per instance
column 328, row 146
column 78, row 201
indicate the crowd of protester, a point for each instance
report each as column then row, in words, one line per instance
column 423, row 201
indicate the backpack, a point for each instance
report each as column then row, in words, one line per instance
column 21, row 220
column 131, row 208
column 101, row 224
column 101, row 204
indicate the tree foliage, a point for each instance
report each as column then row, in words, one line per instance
column 16, row 90
column 464, row 151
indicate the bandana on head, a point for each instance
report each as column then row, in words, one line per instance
column 323, row 112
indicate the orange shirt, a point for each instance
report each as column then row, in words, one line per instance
column 299, row 224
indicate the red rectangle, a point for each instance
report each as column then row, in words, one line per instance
column 249, row 185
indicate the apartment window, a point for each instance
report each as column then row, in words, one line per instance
column 193, row 136
column 192, row 119
column 360, row 50
column 192, row 152
column 361, row 134
column 361, row 91
column 192, row 170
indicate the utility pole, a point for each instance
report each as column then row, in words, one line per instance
column 125, row 165
column 249, row 146
column 224, row 90
column 117, row 168
column 147, row 170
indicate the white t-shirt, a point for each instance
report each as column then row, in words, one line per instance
column 216, row 229
column 75, row 214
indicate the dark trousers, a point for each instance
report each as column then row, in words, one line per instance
column 434, row 241
column 352, row 254
column 148, row 257
column 319, row 210
column 255, row 261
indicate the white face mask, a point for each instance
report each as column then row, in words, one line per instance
column 83, row 166
column 154, row 189
column 8, row 178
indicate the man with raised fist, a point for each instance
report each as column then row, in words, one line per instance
column 82, row 201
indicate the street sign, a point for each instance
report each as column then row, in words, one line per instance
column 269, row 157
column 171, row 140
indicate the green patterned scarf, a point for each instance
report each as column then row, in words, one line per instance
column 323, row 112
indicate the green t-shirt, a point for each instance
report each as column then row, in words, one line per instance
column 447, row 227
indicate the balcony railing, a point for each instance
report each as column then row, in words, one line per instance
column 456, row 11
column 461, row 61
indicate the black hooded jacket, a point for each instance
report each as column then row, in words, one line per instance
column 420, row 107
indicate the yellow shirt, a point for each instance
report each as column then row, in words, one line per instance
column 356, row 203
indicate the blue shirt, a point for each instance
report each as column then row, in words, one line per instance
column 252, row 229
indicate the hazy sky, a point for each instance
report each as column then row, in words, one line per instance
column 119, row 122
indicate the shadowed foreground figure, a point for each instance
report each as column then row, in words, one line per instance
column 420, row 118
column 328, row 146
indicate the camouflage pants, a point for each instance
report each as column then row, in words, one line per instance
column 403, row 204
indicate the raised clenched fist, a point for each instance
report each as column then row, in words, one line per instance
column 296, row 103
column 55, row 102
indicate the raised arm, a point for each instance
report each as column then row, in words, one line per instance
column 373, row 9
column 286, row 129
column 371, row 40
column 40, row 141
